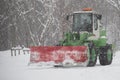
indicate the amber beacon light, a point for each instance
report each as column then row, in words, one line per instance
column 87, row 9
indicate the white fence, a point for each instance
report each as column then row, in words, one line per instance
column 19, row 50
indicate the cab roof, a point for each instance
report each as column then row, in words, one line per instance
column 94, row 12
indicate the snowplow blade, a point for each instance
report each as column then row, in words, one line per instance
column 58, row 54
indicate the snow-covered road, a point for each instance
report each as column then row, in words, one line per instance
column 16, row 68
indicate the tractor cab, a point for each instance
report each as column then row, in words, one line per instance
column 85, row 21
column 86, row 27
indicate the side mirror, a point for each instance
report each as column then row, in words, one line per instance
column 99, row 17
column 67, row 17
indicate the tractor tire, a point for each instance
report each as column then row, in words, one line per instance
column 92, row 56
column 106, row 56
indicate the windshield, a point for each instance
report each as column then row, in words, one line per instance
column 82, row 22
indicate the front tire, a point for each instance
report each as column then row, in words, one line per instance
column 106, row 55
column 92, row 56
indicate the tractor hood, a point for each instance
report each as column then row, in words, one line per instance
column 74, row 39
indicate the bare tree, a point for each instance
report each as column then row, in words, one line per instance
column 116, row 5
column 43, row 22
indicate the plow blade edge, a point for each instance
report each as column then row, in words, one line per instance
column 58, row 54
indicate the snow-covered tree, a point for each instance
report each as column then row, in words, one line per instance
column 116, row 5
column 43, row 22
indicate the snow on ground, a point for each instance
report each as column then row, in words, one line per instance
column 16, row 68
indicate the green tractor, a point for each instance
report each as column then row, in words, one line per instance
column 87, row 31
column 82, row 45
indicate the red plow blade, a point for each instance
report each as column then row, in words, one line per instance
column 58, row 54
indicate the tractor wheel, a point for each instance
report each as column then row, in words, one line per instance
column 106, row 56
column 92, row 56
